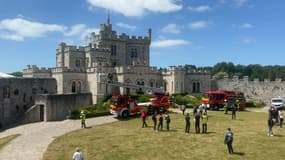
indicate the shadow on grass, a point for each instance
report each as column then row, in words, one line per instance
column 277, row 135
column 239, row 153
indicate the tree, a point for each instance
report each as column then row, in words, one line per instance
column 17, row 74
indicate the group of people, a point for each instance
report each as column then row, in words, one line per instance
column 274, row 117
column 234, row 108
column 157, row 120
column 200, row 115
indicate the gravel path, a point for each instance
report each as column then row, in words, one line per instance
column 35, row 137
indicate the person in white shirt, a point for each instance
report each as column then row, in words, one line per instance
column 77, row 155
column 280, row 113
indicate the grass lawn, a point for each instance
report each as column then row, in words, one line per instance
column 126, row 140
column 6, row 140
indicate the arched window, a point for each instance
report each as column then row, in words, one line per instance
column 198, row 87
column 151, row 84
column 6, row 92
column 193, row 87
column 77, row 63
column 73, row 87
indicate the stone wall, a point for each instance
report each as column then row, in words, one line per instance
column 17, row 95
column 263, row 90
column 58, row 107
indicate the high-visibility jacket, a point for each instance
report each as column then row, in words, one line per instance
column 82, row 117
column 204, row 119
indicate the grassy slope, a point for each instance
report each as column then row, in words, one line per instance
column 6, row 140
column 127, row 140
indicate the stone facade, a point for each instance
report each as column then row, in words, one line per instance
column 125, row 58
column 263, row 90
column 17, row 95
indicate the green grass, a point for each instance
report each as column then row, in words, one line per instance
column 126, row 140
column 6, row 140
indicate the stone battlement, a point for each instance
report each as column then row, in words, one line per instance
column 245, row 79
column 36, row 69
column 64, row 69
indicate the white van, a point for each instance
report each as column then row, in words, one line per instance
column 277, row 103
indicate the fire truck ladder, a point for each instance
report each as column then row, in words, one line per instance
column 133, row 86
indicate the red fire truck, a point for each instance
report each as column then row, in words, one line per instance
column 123, row 106
column 216, row 99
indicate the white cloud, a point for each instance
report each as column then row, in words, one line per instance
column 169, row 43
column 246, row 25
column 171, row 28
column 248, row 40
column 137, row 7
column 18, row 29
column 127, row 26
column 239, row 3
column 199, row 25
column 81, row 31
column 203, row 8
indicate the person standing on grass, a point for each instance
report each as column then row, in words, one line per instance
column 159, row 118
column 144, row 115
column 77, row 155
column 229, row 137
column 82, row 117
column 167, row 120
column 187, row 121
column 270, row 126
column 204, row 122
column 280, row 118
column 197, row 123
column 226, row 107
column 154, row 120
column 183, row 108
column 234, row 109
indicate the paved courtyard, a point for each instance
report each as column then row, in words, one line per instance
column 35, row 137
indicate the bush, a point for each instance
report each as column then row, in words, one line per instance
column 255, row 103
column 188, row 100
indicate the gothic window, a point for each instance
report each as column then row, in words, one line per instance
column 198, row 87
column 193, row 87
column 113, row 50
column 134, row 53
column 6, row 92
column 77, row 63
column 73, row 87
column 79, row 87
column 151, row 84
column 16, row 92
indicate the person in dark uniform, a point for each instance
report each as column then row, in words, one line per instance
column 234, row 109
column 195, row 110
column 154, row 120
column 229, row 137
column 159, row 118
column 197, row 123
column 187, row 121
column 167, row 120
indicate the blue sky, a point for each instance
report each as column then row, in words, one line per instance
column 198, row 32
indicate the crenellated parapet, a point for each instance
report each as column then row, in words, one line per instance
column 67, row 70
column 36, row 69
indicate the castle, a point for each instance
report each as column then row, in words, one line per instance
column 124, row 58
column 82, row 73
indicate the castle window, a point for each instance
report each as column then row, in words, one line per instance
column 73, row 87
column 113, row 50
column 196, row 87
column 134, row 53
column 193, row 87
column 6, row 92
column 16, row 92
column 77, row 63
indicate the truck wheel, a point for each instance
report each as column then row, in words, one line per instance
column 125, row 114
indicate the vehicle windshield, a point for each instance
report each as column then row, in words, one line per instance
column 276, row 100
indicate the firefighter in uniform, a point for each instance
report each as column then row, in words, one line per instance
column 204, row 123
column 226, row 107
column 187, row 121
column 83, row 117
